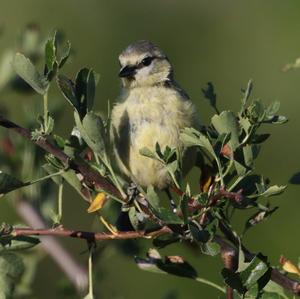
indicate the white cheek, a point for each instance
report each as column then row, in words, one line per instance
column 143, row 73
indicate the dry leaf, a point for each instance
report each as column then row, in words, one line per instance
column 288, row 266
column 97, row 203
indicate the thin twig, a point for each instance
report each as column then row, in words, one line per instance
column 91, row 177
column 73, row 270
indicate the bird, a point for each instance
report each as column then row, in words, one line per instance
column 151, row 108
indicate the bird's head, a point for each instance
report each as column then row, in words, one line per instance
column 144, row 64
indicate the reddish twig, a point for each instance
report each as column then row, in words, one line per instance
column 76, row 273
column 89, row 236
column 91, row 177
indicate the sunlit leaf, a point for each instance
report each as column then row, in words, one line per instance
column 288, row 266
column 27, row 71
column 97, row 203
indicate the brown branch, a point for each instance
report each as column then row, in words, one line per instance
column 75, row 272
column 90, row 236
column 227, row 250
column 91, row 177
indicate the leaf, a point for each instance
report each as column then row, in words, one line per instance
column 67, row 88
column 247, row 94
column 11, row 270
column 27, row 71
column 288, row 266
column 259, row 217
column 159, row 211
column 250, row 152
column 210, row 248
column 65, row 55
column 17, row 243
column 184, row 208
column 227, row 123
column 90, row 90
column 254, row 271
column 210, row 95
column 97, row 203
column 9, row 183
column 145, row 151
column 92, row 131
column 165, row 240
column 254, row 274
column 50, row 53
column 174, row 265
column 295, row 179
column 85, row 85
column 272, row 287
column 273, row 190
column 192, row 137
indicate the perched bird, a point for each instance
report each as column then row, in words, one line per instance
column 152, row 108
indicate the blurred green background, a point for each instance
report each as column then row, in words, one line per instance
column 225, row 42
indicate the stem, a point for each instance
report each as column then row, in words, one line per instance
column 91, row 293
column 44, row 178
column 91, row 177
column 114, row 178
column 60, row 197
column 214, row 285
column 45, row 97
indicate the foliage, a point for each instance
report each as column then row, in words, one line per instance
column 226, row 152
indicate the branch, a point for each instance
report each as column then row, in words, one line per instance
column 91, row 177
column 90, row 236
column 227, row 250
column 73, row 270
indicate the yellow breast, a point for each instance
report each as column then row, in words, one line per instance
column 144, row 117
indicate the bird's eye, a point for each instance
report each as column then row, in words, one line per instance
column 147, row 61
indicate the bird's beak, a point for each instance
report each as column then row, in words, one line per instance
column 127, row 71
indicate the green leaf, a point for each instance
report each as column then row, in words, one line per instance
column 27, row 71
column 145, row 151
column 210, row 95
column 247, row 94
column 184, row 208
column 274, row 288
column 273, row 190
column 250, row 152
column 50, row 53
column 210, row 248
column 233, row 280
column 9, row 183
column 227, row 123
column 192, row 137
column 90, row 90
column 65, row 55
column 85, row 89
column 17, row 243
column 254, row 271
column 92, row 131
column 166, row 215
column 11, row 270
column 67, row 88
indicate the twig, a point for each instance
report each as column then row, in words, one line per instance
column 229, row 257
column 91, row 177
column 89, row 236
column 75, row 272
column 287, row 283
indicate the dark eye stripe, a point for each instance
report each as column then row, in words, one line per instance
column 147, row 61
